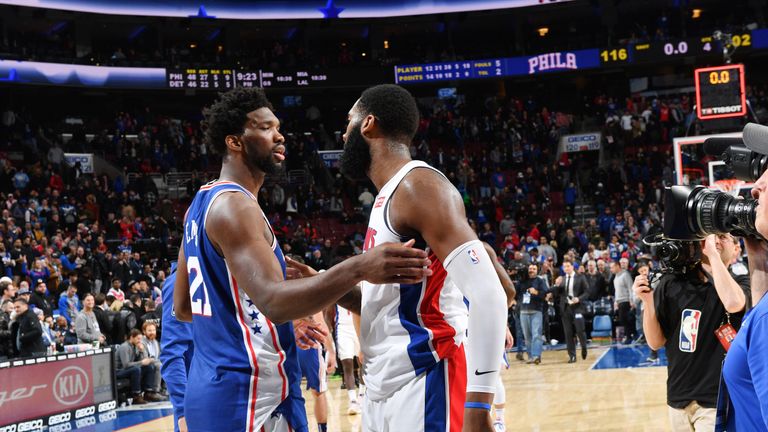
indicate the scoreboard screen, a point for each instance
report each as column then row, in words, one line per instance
column 205, row 79
column 720, row 92
column 498, row 67
column 292, row 79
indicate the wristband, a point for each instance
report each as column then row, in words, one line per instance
column 478, row 405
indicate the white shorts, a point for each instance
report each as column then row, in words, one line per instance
column 347, row 344
column 432, row 402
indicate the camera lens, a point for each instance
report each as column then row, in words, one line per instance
column 692, row 213
column 714, row 212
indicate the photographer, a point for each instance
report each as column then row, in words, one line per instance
column 746, row 366
column 530, row 300
column 682, row 313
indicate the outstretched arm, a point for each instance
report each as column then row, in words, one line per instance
column 255, row 270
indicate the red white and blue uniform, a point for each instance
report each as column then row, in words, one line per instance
column 412, row 339
column 244, row 374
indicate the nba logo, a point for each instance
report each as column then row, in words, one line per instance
column 689, row 330
column 473, row 256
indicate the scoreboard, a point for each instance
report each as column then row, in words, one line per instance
column 205, row 79
column 498, row 67
column 720, row 92
column 298, row 78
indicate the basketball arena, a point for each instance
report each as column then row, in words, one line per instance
column 389, row 216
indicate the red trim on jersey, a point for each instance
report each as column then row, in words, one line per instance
column 251, row 352
column 431, row 315
column 216, row 183
column 279, row 350
column 457, row 388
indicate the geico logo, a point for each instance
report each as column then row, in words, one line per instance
column 106, row 406
column 84, row 412
column 64, row 427
column 59, row 418
column 112, row 415
column 30, row 425
column 9, row 428
column 582, row 138
column 88, row 421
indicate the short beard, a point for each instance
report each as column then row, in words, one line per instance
column 265, row 164
column 356, row 158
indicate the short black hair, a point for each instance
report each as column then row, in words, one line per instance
column 394, row 108
column 228, row 114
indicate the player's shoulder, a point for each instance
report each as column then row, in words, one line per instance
column 426, row 184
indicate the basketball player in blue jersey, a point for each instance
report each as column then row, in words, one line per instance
column 176, row 353
column 422, row 371
column 231, row 282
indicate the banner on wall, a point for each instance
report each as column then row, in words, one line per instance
column 85, row 159
column 581, row 142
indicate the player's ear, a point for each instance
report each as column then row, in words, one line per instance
column 368, row 125
column 233, row 143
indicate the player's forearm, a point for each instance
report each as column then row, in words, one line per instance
column 352, row 301
column 651, row 327
column 293, row 299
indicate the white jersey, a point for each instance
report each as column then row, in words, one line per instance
column 406, row 329
column 344, row 319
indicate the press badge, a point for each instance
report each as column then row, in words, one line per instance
column 726, row 334
column 526, row 298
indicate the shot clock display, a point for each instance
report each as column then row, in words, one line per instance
column 720, row 92
column 661, row 51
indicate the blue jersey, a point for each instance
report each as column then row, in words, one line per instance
column 245, row 367
column 177, row 350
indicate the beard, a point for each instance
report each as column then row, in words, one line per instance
column 356, row 159
column 264, row 163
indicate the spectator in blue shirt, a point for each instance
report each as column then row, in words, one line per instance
column 20, row 180
column 69, row 303
column 175, row 353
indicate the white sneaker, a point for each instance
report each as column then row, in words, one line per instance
column 354, row 408
column 499, row 426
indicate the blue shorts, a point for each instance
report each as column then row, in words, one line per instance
column 312, row 364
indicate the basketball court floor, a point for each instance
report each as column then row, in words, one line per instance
column 615, row 389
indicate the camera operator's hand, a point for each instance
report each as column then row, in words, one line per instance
column 642, row 289
column 710, row 248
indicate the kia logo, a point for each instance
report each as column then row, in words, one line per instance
column 70, row 385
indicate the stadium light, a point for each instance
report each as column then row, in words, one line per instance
column 696, row 14
column 543, row 31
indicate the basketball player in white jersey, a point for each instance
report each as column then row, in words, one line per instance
column 414, row 336
column 347, row 347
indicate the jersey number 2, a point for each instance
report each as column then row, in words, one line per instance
column 201, row 303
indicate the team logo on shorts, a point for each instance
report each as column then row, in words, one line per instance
column 473, row 256
column 689, row 330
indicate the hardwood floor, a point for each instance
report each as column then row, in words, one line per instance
column 553, row 396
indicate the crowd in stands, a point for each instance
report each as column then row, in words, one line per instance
column 66, row 234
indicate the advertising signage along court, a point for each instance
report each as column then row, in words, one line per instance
column 720, row 92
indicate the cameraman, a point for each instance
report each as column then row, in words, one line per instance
column 681, row 313
column 746, row 366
